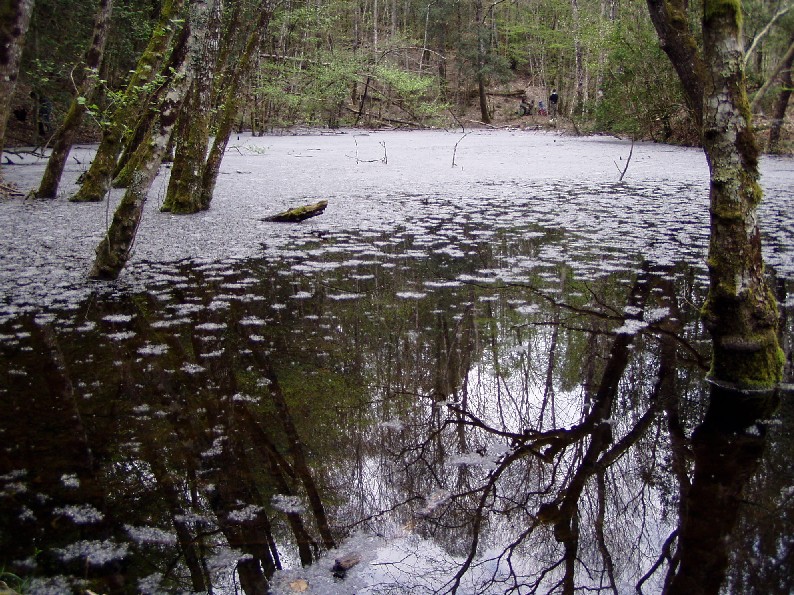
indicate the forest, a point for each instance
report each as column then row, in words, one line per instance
column 431, row 296
column 389, row 63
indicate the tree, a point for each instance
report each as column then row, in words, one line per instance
column 641, row 95
column 195, row 171
column 184, row 187
column 14, row 21
column 740, row 310
column 483, row 60
column 113, row 251
column 66, row 133
column 781, row 105
column 99, row 175
column 231, row 103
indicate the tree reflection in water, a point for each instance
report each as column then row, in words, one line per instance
column 232, row 426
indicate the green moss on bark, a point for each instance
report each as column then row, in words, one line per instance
column 713, row 9
column 759, row 369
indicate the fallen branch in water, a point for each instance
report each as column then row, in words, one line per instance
column 8, row 190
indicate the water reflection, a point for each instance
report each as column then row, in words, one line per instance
column 445, row 423
column 435, row 397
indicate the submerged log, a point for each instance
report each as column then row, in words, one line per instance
column 299, row 213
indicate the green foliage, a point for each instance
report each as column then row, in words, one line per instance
column 102, row 115
column 418, row 58
column 641, row 95
column 15, row 582
column 320, row 90
column 476, row 49
column 131, row 26
column 403, row 82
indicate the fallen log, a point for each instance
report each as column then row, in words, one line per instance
column 298, row 214
column 345, row 563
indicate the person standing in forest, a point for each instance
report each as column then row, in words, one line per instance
column 524, row 107
column 553, row 99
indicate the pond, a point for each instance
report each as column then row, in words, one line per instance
column 479, row 371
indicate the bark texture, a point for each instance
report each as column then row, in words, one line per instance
column 99, row 175
column 184, row 187
column 67, row 131
column 741, row 311
column 114, row 250
column 134, row 143
column 670, row 20
column 231, row 103
column 14, row 21
column 299, row 214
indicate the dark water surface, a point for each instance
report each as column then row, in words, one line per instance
column 483, row 377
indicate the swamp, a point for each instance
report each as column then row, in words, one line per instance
column 482, row 369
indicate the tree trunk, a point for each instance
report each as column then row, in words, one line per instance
column 740, row 311
column 14, row 22
column 184, row 187
column 114, row 250
column 781, row 105
column 133, row 147
column 670, row 19
column 761, row 93
column 99, row 176
column 231, row 104
column 299, row 214
column 480, row 23
column 579, row 66
column 66, row 133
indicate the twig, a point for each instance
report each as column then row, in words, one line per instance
column 628, row 160
column 384, row 160
column 10, row 191
column 764, row 31
column 484, row 124
column 455, row 150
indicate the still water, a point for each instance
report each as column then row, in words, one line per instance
column 479, row 371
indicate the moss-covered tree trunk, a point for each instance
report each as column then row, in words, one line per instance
column 231, row 103
column 671, row 22
column 99, row 176
column 114, row 249
column 740, row 310
column 134, row 146
column 67, row 131
column 184, row 187
column 14, row 21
